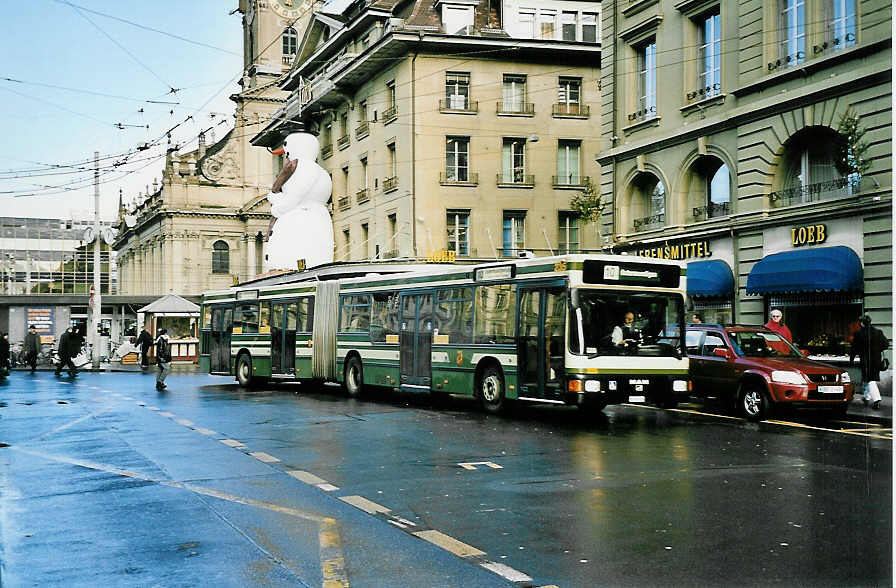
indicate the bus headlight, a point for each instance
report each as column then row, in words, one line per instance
column 787, row 377
column 592, row 386
column 679, row 385
column 612, row 385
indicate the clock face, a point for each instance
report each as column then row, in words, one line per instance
column 290, row 8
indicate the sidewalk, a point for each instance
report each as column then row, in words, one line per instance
column 883, row 415
column 115, row 366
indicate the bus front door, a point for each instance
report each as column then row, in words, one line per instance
column 219, row 351
column 283, row 338
column 540, row 346
column 415, row 340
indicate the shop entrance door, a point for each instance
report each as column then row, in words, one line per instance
column 283, row 338
column 415, row 340
column 219, row 351
column 540, row 341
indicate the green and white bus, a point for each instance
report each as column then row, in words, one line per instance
column 589, row 330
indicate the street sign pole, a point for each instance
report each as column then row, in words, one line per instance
column 97, row 296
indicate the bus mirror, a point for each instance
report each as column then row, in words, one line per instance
column 574, row 298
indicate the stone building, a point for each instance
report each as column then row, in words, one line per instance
column 453, row 125
column 725, row 142
column 203, row 227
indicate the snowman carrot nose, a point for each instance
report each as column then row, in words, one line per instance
column 278, row 151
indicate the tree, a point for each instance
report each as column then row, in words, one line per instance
column 589, row 206
column 851, row 160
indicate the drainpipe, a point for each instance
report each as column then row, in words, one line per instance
column 414, row 146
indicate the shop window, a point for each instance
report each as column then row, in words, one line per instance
column 808, row 171
column 823, row 323
column 648, row 202
column 220, row 258
column 458, row 225
column 568, row 232
column 514, row 232
column 709, row 188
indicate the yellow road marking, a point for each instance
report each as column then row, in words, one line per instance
column 447, row 543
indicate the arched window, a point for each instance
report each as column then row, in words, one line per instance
column 648, row 202
column 809, row 172
column 709, row 188
column 220, row 258
column 290, row 41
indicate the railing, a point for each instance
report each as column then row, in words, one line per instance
column 516, row 178
column 815, row 192
column 467, row 179
column 390, row 184
column 288, row 59
column 571, row 181
column 465, row 105
column 644, row 223
column 390, row 254
column 343, row 141
column 524, row 108
column 344, row 203
column 711, row 210
column 570, row 109
column 362, row 196
column 326, row 151
column 362, row 130
column 390, row 114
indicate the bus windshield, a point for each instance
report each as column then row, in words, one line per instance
column 624, row 323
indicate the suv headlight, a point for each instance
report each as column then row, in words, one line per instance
column 784, row 377
column 844, row 378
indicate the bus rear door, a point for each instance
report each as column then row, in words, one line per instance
column 283, row 338
column 222, row 327
column 415, row 340
column 540, row 347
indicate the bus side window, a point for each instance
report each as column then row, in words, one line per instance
column 354, row 314
column 379, row 318
column 495, row 308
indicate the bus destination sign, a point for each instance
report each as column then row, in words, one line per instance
column 634, row 274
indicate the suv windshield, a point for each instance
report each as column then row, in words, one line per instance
column 762, row 344
column 614, row 323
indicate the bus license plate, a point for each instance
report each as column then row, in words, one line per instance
column 636, row 399
column 830, row 389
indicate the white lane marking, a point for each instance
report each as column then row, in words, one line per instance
column 471, row 465
column 208, row 432
column 447, row 543
column 232, row 443
column 153, row 407
column 306, row 477
column 328, row 487
column 184, row 422
column 506, row 571
column 404, row 521
column 364, row 504
column 166, row 414
column 265, row 457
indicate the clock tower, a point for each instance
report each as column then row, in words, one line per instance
column 272, row 30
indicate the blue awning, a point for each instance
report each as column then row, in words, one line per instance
column 710, row 278
column 824, row 269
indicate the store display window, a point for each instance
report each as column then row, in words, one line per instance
column 821, row 323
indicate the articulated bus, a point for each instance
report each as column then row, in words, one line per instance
column 588, row 330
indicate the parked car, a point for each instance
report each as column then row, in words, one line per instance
column 754, row 369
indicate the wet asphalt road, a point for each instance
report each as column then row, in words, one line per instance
column 104, row 481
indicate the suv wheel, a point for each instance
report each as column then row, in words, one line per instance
column 753, row 403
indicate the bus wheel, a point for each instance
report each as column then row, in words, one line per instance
column 244, row 370
column 354, row 377
column 491, row 390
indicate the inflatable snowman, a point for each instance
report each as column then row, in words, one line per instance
column 302, row 228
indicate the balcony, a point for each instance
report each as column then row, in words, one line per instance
column 458, row 105
column 390, row 184
column 711, row 210
column 516, row 179
column 288, row 59
column 343, row 142
column 571, row 182
column 516, row 109
column 362, row 196
column 362, row 130
column 830, row 189
column 326, row 151
column 459, row 178
column 570, row 110
column 344, row 203
column 647, row 223
column 389, row 115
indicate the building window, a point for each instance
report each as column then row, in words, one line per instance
column 809, row 171
column 589, row 27
column 220, row 258
column 513, row 161
column 527, row 24
column 568, row 26
column 391, row 110
column 569, row 97
column 392, row 244
column 842, row 24
column 514, row 231
column 648, row 202
column 290, row 42
column 513, row 93
column 457, row 151
column 568, row 232
column 458, row 224
column 346, row 244
column 457, row 20
column 709, row 76
column 457, row 90
column 647, row 80
column 365, row 237
column 710, row 188
column 546, row 20
column 569, row 162
column 793, row 31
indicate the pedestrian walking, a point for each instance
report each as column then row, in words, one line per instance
column 163, row 358
column 32, row 347
column 869, row 344
column 65, row 353
column 4, row 355
column 144, row 342
column 775, row 323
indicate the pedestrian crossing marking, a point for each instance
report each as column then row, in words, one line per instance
column 471, row 465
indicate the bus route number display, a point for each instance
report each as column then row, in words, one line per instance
column 634, row 274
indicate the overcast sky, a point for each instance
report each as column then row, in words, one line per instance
column 73, row 71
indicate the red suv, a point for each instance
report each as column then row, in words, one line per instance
column 755, row 369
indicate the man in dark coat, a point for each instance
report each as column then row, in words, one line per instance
column 32, row 347
column 4, row 355
column 869, row 344
column 144, row 342
column 163, row 358
column 64, row 351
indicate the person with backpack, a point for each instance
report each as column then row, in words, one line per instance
column 163, row 358
column 869, row 343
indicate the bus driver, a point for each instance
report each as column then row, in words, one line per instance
column 626, row 335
